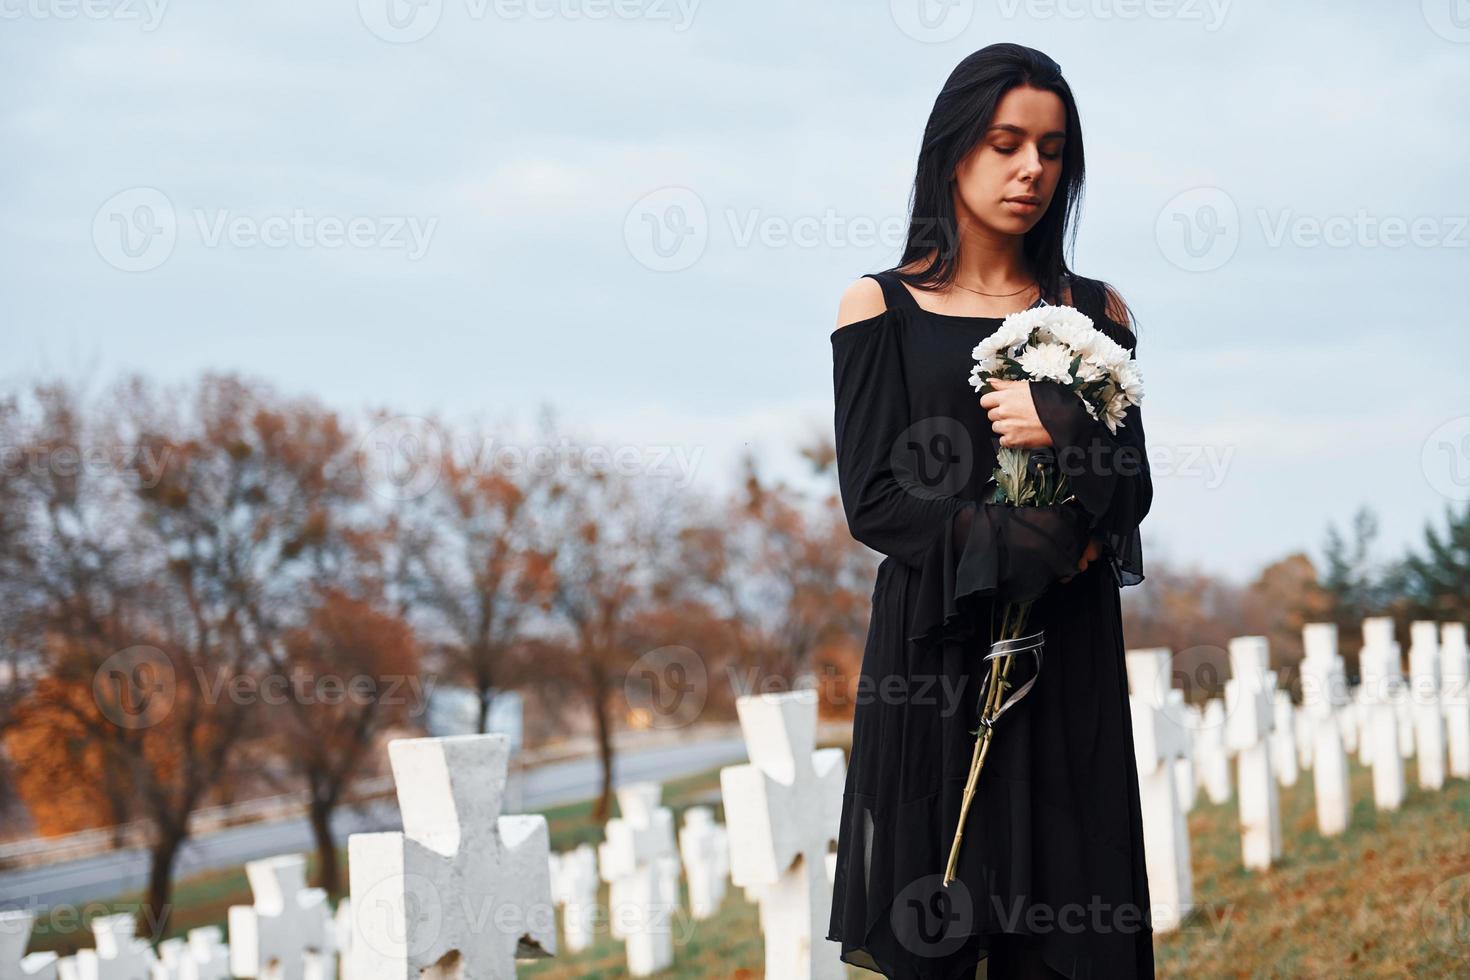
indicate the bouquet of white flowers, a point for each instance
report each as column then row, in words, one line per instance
column 1046, row 343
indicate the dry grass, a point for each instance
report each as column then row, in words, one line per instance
column 1361, row 904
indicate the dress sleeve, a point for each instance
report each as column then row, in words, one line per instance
column 962, row 549
column 1108, row 472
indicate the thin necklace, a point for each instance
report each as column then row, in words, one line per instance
column 1029, row 285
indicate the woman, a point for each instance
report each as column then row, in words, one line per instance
column 1051, row 878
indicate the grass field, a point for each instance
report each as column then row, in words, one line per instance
column 1388, row 898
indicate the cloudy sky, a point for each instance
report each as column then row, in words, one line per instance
column 643, row 212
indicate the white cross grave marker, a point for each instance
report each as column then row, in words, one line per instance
column 783, row 811
column 705, row 851
column 15, row 962
column 1283, row 739
column 1324, row 695
column 119, row 954
column 1249, row 696
column 287, row 926
column 1186, row 779
column 202, row 956
column 574, row 888
column 1424, row 697
column 462, row 891
column 643, row 890
column 1211, row 754
column 1455, row 668
column 1159, row 739
column 1382, row 687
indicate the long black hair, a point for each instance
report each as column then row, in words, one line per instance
column 961, row 114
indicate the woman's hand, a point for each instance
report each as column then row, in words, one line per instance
column 1013, row 416
column 1090, row 554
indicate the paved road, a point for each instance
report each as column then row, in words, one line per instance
column 108, row 875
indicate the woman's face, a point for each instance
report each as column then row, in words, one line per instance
column 1017, row 160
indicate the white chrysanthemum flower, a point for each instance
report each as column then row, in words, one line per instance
column 1051, row 362
column 1108, row 352
column 1091, row 371
column 1113, row 411
column 1130, row 379
column 1065, row 325
column 1013, row 330
column 1007, row 339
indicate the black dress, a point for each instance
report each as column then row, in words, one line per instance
column 1053, row 845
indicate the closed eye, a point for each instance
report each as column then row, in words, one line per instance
column 1008, row 150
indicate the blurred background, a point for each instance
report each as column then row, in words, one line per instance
column 455, row 366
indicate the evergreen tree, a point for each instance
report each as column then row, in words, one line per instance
column 1437, row 581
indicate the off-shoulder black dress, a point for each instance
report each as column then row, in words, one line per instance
column 1053, row 845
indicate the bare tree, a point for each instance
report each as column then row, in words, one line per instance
column 137, row 613
column 782, row 573
column 313, row 602
column 469, row 571
column 609, row 537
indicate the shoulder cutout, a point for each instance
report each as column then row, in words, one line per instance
column 862, row 300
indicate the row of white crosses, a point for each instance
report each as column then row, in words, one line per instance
column 433, row 903
column 466, row 891
column 639, row 862
column 1271, row 739
column 286, row 935
column 783, row 810
column 703, row 848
